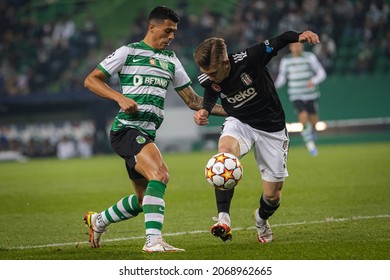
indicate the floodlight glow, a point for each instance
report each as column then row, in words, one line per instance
column 298, row 127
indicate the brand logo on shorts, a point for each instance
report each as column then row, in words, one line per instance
column 140, row 139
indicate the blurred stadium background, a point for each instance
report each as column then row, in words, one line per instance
column 47, row 47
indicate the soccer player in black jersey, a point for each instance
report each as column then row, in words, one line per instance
column 255, row 118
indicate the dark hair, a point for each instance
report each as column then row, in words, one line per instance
column 162, row 13
column 209, row 52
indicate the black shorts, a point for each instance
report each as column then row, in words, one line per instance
column 127, row 143
column 310, row 106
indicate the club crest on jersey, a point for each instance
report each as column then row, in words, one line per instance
column 164, row 64
column 152, row 61
column 216, row 87
column 246, row 79
column 140, row 139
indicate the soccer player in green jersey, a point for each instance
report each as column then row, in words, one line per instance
column 145, row 70
column 303, row 72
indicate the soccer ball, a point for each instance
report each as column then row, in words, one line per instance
column 223, row 171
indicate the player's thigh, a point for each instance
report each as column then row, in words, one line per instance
column 242, row 133
column 127, row 143
column 299, row 106
column 303, row 117
column 312, row 107
column 151, row 165
column 301, row 111
column 229, row 144
column 271, row 150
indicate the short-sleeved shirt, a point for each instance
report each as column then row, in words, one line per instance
column 298, row 71
column 144, row 76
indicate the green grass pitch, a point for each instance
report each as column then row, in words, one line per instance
column 334, row 207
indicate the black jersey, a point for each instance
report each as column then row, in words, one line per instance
column 248, row 93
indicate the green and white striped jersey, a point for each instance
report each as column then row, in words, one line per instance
column 299, row 71
column 144, row 76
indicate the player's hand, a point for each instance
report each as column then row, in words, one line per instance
column 128, row 105
column 201, row 117
column 309, row 37
column 310, row 84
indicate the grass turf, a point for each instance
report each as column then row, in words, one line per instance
column 334, row 207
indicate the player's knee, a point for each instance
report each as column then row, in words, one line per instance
column 273, row 192
column 228, row 149
column 273, row 198
column 229, row 144
column 162, row 175
column 165, row 177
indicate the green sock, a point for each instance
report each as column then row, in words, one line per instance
column 126, row 208
column 153, row 206
column 307, row 132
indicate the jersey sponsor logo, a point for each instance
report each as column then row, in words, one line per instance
column 268, row 48
column 216, row 87
column 246, row 79
column 241, row 97
column 149, row 81
column 135, row 60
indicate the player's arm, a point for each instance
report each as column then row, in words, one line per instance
column 281, row 79
column 288, row 37
column 195, row 102
column 320, row 73
column 269, row 48
column 209, row 103
column 95, row 82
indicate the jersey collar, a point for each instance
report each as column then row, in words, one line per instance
column 146, row 46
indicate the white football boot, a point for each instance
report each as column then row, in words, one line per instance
column 264, row 232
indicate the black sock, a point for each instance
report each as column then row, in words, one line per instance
column 266, row 208
column 223, row 199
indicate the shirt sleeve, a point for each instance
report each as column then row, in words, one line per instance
column 279, row 42
column 209, row 99
column 320, row 74
column 269, row 48
column 181, row 79
column 281, row 79
column 114, row 62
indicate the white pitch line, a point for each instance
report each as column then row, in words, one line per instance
column 327, row 220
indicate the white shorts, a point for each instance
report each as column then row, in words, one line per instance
column 271, row 148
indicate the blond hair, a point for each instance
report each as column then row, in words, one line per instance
column 210, row 52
